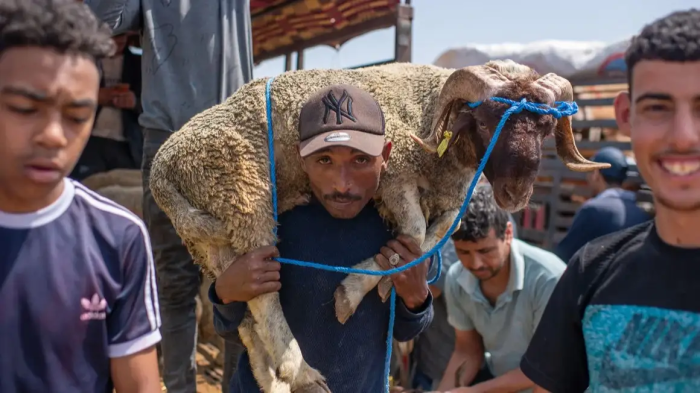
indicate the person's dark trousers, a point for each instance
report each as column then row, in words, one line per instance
column 232, row 351
column 178, row 283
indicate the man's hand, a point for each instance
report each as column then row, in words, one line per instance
column 411, row 284
column 467, row 389
column 249, row 276
column 124, row 100
column 117, row 97
column 106, row 95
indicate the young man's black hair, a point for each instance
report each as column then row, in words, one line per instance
column 624, row 316
column 673, row 38
column 67, row 26
column 78, row 298
column 482, row 215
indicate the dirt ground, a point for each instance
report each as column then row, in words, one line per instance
column 209, row 375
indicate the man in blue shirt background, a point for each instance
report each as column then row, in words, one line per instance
column 610, row 210
column 343, row 158
column 78, row 298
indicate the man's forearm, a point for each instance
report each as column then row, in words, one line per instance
column 408, row 324
column 227, row 317
column 471, row 364
column 512, row 381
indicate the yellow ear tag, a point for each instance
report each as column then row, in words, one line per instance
column 443, row 144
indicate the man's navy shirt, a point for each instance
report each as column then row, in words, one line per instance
column 350, row 356
column 77, row 287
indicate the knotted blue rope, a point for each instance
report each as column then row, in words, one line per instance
column 562, row 109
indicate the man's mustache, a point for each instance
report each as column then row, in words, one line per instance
column 342, row 197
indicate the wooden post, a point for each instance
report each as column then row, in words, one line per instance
column 300, row 60
column 287, row 62
column 404, row 29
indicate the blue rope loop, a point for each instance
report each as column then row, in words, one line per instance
column 562, row 109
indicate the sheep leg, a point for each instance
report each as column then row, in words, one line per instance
column 272, row 344
column 263, row 366
column 435, row 233
column 260, row 362
column 279, row 342
column 405, row 206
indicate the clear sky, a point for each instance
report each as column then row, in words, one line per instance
column 439, row 25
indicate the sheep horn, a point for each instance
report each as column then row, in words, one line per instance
column 470, row 84
column 560, row 89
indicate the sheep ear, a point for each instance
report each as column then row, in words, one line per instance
column 426, row 146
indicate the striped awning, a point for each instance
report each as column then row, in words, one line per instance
column 284, row 26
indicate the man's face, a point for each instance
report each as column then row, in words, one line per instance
column 47, row 107
column 486, row 257
column 595, row 182
column 662, row 116
column 344, row 179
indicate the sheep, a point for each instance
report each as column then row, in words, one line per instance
column 123, row 186
column 212, row 177
column 121, row 177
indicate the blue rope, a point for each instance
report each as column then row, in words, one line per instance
column 561, row 109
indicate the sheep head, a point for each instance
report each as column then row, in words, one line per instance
column 513, row 165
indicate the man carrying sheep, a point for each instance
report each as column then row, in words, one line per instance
column 343, row 151
column 78, row 297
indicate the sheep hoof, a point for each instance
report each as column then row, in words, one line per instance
column 384, row 288
column 310, row 381
column 343, row 307
column 318, row 387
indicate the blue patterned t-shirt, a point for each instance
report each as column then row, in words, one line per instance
column 625, row 317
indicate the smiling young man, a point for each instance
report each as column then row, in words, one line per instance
column 495, row 299
column 343, row 152
column 78, row 306
column 625, row 316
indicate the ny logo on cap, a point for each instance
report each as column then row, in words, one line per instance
column 335, row 105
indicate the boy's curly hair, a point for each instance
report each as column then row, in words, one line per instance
column 66, row 26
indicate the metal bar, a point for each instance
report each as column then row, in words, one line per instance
column 403, row 33
column 371, row 64
column 597, row 81
column 603, row 123
column 287, row 62
column 595, row 102
column 300, row 60
column 590, row 145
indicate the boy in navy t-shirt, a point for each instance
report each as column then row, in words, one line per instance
column 78, row 297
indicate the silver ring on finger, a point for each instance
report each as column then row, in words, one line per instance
column 395, row 259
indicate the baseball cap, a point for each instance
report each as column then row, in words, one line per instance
column 616, row 159
column 341, row 115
